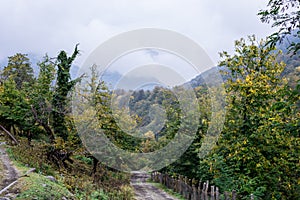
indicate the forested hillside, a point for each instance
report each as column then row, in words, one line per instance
column 43, row 118
column 36, row 111
column 258, row 150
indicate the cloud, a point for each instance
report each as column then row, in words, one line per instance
column 49, row 26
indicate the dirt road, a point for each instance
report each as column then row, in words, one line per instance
column 9, row 174
column 147, row 191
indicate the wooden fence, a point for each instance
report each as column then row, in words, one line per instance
column 192, row 189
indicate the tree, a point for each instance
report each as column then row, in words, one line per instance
column 14, row 108
column 29, row 108
column 41, row 96
column 17, row 77
column 64, row 85
column 257, row 151
column 286, row 16
column 18, row 69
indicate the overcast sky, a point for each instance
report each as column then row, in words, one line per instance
column 48, row 26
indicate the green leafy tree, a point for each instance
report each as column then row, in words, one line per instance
column 93, row 115
column 15, row 109
column 25, row 110
column 64, row 85
column 18, row 69
column 17, row 77
column 41, row 96
column 286, row 16
column 257, row 150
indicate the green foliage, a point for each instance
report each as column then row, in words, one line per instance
column 40, row 96
column 286, row 16
column 39, row 187
column 259, row 147
column 15, row 108
column 292, row 70
column 19, row 70
column 257, row 151
column 188, row 163
column 125, row 193
column 76, row 178
column 34, row 156
column 86, row 160
column 64, row 85
column 99, row 194
column 167, row 190
column 17, row 77
column 32, row 109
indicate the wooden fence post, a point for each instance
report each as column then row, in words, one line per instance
column 207, row 185
column 154, row 174
column 191, row 189
column 217, row 193
column 160, row 178
column 174, row 184
column 176, row 188
column 181, row 185
column 212, row 191
column 226, row 195
column 233, row 195
column 166, row 180
column 204, row 186
column 185, row 187
column 199, row 191
column 194, row 197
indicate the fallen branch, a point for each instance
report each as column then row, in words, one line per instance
column 7, row 187
column 10, row 135
column 10, row 185
column 28, row 172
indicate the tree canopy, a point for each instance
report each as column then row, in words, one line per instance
column 284, row 15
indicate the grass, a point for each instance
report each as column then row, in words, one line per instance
column 37, row 186
column 1, row 170
column 76, row 179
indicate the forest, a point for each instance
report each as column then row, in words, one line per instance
column 256, row 153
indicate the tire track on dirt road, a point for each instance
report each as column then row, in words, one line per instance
column 145, row 190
